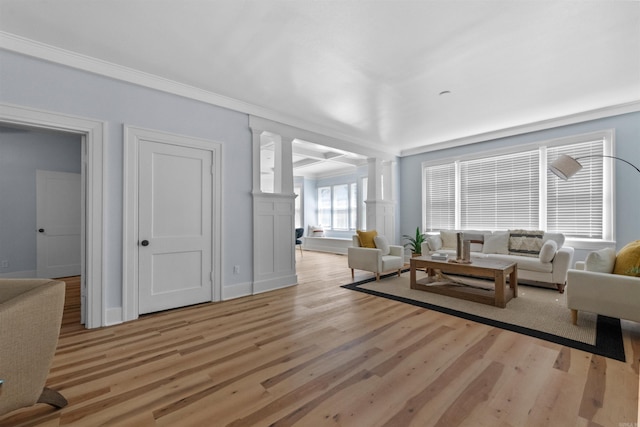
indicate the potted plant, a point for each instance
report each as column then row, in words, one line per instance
column 415, row 242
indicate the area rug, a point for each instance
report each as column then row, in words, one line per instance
column 537, row 312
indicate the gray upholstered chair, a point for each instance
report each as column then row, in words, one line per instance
column 30, row 319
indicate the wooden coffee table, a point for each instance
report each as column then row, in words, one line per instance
column 479, row 267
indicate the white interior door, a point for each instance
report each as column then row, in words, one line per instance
column 174, row 226
column 58, row 222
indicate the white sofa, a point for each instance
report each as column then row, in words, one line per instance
column 375, row 260
column 600, row 291
column 548, row 269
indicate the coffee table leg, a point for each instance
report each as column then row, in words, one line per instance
column 513, row 282
column 501, row 283
column 412, row 275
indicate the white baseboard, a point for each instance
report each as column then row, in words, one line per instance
column 113, row 316
column 236, row 290
column 273, row 284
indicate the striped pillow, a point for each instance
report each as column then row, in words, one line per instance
column 525, row 242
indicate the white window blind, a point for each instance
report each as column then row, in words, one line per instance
column 575, row 206
column 500, row 193
column 341, row 207
column 324, row 206
column 440, row 197
column 506, row 191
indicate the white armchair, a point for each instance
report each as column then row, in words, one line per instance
column 613, row 295
column 376, row 260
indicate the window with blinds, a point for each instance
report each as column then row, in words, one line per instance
column 575, row 206
column 500, row 193
column 507, row 191
column 338, row 207
column 440, row 197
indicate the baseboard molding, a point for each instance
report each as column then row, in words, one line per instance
column 113, row 316
column 237, row 290
column 273, row 284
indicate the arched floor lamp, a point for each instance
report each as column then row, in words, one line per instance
column 566, row 166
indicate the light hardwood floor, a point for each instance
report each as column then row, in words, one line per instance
column 316, row 354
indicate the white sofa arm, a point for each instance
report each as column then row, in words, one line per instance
column 612, row 295
column 425, row 248
column 396, row 250
column 561, row 264
column 369, row 259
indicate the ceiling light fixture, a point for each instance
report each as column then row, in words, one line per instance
column 445, row 92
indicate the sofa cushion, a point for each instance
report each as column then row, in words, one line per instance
column 628, row 260
column 548, row 251
column 434, row 242
column 496, row 243
column 525, row 242
column 601, row 261
column 525, row 263
column 557, row 237
column 366, row 238
column 449, row 239
column 476, row 237
column 382, row 243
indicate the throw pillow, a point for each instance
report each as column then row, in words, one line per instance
column 601, row 261
column 496, row 243
column 628, row 260
column 315, row 231
column 548, row 251
column 525, row 242
column 366, row 238
column 382, row 243
column 434, row 242
column 476, row 239
column 449, row 239
column 558, row 237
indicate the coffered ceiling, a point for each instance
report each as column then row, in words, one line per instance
column 393, row 75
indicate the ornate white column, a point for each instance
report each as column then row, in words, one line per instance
column 273, row 218
column 381, row 208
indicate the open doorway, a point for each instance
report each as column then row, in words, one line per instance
column 40, row 206
column 92, row 135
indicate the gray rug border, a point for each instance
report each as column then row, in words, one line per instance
column 609, row 341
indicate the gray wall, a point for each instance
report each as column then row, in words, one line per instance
column 22, row 152
column 627, row 146
column 42, row 85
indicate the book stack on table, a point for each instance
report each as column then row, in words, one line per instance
column 439, row 256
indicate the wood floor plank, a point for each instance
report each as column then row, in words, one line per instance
column 320, row 355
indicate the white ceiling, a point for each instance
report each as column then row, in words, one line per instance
column 369, row 71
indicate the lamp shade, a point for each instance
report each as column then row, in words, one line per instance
column 565, row 166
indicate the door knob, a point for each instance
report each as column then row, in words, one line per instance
column 41, row 230
column 145, row 243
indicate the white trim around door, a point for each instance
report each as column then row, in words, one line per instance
column 93, row 137
column 132, row 138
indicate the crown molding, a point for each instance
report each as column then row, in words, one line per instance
column 614, row 110
column 331, row 137
column 28, row 47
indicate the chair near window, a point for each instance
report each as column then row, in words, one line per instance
column 606, row 283
column 299, row 233
column 373, row 253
